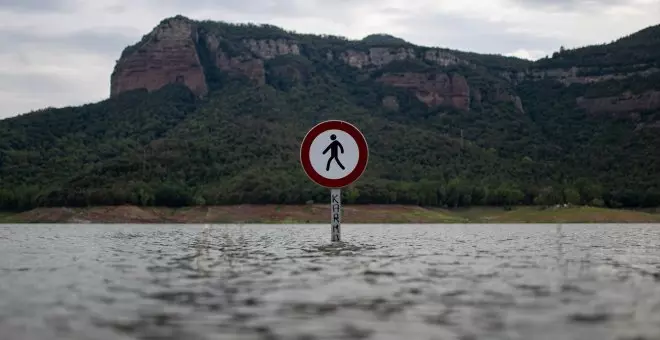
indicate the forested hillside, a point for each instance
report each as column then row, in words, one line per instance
column 218, row 113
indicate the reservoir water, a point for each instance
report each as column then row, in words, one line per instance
column 531, row 281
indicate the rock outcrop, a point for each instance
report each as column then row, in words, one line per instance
column 624, row 103
column 381, row 56
column 171, row 54
column 168, row 55
column 433, row 89
column 268, row 49
column 575, row 75
column 377, row 56
column 495, row 95
column 244, row 64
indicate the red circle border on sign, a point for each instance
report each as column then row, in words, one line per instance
column 361, row 142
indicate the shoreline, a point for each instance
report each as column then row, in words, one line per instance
column 320, row 213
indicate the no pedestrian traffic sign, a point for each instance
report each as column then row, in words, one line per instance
column 334, row 154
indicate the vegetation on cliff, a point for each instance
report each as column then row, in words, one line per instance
column 240, row 142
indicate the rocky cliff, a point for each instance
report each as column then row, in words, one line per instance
column 180, row 50
column 166, row 55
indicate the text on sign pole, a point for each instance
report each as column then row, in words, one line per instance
column 335, row 204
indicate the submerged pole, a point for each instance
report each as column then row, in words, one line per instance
column 337, row 135
column 335, row 214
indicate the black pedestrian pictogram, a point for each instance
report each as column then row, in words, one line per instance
column 333, row 152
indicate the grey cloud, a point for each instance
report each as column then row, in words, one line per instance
column 251, row 7
column 116, row 9
column 472, row 35
column 570, row 5
column 269, row 8
column 437, row 30
column 90, row 41
column 32, row 83
column 21, row 93
column 36, row 6
column 441, row 29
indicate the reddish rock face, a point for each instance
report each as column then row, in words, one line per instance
column 169, row 56
column 433, row 89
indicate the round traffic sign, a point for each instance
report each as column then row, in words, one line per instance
column 334, row 153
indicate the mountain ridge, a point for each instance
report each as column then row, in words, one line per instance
column 205, row 112
column 267, row 42
column 196, row 51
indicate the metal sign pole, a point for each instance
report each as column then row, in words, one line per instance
column 335, row 214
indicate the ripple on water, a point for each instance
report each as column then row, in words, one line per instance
column 288, row 282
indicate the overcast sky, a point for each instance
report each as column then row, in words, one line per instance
column 61, row 52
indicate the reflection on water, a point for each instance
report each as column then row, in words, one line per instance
column 289, row 282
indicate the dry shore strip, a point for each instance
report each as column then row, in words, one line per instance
column 319, row 213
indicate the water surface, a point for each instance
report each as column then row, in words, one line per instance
column 288, row 282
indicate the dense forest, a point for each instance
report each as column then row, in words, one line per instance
column 240, row 143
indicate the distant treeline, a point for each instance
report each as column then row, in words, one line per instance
column 426, row 193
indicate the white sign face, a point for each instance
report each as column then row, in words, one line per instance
column 334, row 154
